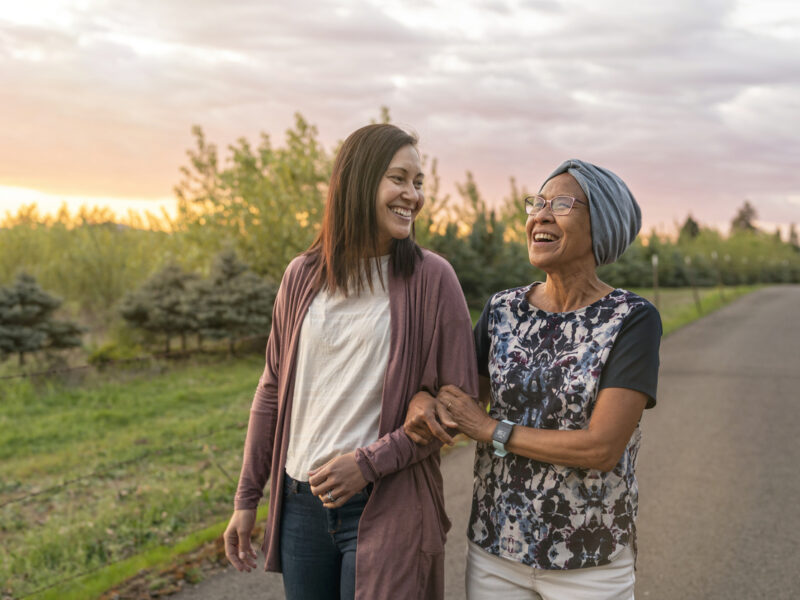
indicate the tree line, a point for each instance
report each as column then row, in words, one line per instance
column 260, row 205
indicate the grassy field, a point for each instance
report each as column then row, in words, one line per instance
column 98, row 473
column 131, row 469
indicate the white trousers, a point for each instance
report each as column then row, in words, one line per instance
column 491, row 577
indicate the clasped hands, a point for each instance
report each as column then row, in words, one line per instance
column 428, row 417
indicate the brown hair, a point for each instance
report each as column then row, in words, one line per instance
column 349, row 231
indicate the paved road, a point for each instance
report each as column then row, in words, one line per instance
column 720, row 461
column 718, row 470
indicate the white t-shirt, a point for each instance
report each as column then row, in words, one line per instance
column 341, row 363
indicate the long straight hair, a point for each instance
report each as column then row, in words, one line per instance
column 349, row 232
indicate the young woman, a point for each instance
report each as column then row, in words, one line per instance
column 363, row 320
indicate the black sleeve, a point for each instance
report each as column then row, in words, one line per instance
column 482, row 340
column 633, row 362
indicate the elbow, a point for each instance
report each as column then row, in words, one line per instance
column 603, row 458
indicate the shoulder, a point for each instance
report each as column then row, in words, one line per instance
column 506, row 298
column 434, row 272
column 299, row 268
column 641, row 313
column 434, row 265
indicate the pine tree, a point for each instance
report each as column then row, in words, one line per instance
column 233, row 302
column 26, row 323
column 162, row 305
column 689, row 230
column 743, row 221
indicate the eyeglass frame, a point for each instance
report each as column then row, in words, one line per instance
column 549, row 203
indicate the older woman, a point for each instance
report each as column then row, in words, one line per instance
column 568, row 366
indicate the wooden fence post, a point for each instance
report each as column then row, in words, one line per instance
column 655, row 280
column 690, row 275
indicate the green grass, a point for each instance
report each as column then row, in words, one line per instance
column 104, row 579
column 155, row 456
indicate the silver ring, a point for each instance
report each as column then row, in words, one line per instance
column 329, row 497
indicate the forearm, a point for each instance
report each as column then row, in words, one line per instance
column 391, row 453
column 258, row 450
column 598, row 446
column 581, row 448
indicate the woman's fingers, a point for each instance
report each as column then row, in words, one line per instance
column 416, row 436
column 445, row 416
column 238, row 550
column 435, row 428
column 339, row 499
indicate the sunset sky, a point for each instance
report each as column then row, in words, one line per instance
column 695, row 104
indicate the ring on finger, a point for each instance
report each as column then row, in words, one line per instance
column 329, row 496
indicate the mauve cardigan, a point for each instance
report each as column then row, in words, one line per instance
column 400, row 552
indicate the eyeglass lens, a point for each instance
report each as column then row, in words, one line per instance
column 560, row 205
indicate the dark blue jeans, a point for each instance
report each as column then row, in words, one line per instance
column 318, row 545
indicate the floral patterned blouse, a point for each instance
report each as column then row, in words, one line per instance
column 546, row 370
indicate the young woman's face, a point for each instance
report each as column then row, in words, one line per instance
column 399, row 198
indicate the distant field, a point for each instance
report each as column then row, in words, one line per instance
column 160, row 454
column 138, row 461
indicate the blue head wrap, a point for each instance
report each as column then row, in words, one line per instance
column 615, row 216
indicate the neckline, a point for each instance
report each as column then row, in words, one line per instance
column 524, row 304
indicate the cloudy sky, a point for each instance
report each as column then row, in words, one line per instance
column 696, row 104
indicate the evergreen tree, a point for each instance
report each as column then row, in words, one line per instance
column 793, row 236
column 162, row 305
column 26, row 323
column 743, row 221
column 233, row 302
column 690, row 229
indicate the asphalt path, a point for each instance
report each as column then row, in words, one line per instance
column 719, row 505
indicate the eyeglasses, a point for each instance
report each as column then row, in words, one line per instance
column 559, row 206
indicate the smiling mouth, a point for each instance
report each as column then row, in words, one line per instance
column 402, row 212
column 544, row 237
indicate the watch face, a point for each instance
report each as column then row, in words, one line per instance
column 502, row 432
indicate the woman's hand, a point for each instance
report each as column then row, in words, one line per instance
column 238, row 549
column 341, row 477
column 460, row 410
column 423, row 421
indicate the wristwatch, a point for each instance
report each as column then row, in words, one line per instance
column 500, row 437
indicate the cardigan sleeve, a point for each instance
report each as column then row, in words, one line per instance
column 260, row 441
column 450, row 360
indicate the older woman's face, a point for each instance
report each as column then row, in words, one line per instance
column 555, row 242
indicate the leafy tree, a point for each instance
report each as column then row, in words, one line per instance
column 233, row 302
column 26, row 323
column 743, row 221
column 266, row 202
column 161, row 305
